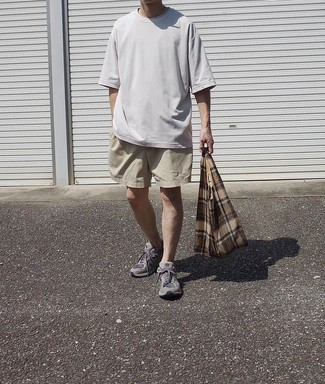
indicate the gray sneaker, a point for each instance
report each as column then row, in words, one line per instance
column 148, row 262
column 169, row 285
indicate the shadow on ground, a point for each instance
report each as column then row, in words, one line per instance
column 246, row 264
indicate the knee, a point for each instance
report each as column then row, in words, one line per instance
column 171, row 197
column 136, row 197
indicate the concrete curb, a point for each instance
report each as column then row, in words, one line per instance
column 116, row 192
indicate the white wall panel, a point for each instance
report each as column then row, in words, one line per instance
column 25, row 122
column 268, row 109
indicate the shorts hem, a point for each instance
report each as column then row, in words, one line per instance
column 173, row 183
column 128, row 183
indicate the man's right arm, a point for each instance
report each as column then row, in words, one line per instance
column 112, row 99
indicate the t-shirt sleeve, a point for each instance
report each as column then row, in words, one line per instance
column 201, row 76
column 109, row 76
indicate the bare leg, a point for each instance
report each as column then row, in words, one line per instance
column 144, row 214
column 172, row 220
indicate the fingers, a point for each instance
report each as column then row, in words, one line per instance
column 207, row 144
column 210, row 146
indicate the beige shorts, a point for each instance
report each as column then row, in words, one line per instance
column 134, row 165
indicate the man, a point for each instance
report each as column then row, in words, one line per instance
column 154, row 60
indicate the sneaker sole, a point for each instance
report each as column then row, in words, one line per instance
column 139, row 275
column 170, row 294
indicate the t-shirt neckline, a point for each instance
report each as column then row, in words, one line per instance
column 151, row 19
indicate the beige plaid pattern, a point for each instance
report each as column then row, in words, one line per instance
column 217, row 231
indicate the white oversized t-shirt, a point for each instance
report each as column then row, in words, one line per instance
column 155, row 64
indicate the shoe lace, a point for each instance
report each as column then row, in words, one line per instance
column 144, row 255
column 144, row 258
column 147, row 256
column 165, row 276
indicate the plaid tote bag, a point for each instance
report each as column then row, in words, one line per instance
column 217, row 230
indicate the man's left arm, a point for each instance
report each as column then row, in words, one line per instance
column 203, row 99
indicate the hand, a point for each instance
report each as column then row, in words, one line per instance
column 206, row 140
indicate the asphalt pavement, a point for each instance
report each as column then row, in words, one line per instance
column 71, row 313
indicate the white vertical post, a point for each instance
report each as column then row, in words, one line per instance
column 59, row 103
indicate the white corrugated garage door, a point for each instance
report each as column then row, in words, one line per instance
column 25, row 123
column 268, row 109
